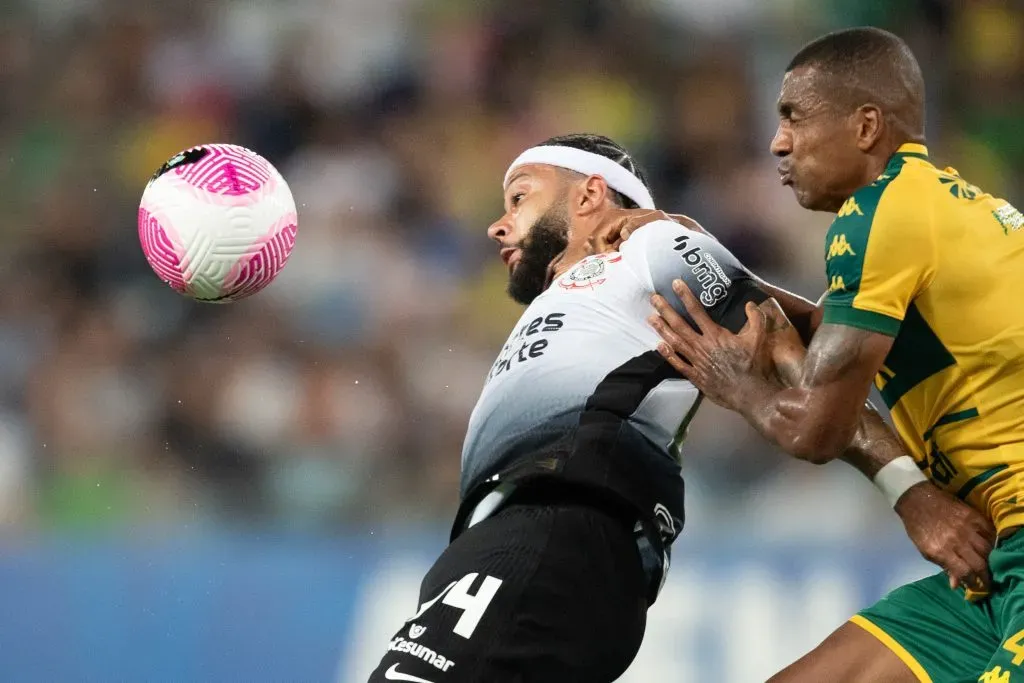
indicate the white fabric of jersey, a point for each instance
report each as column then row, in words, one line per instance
column 573, row 337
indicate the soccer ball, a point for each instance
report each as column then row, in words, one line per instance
column 217, row 223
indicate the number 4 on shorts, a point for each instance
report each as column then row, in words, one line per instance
column 456, row 595
column 472, row 606
column 1015, row 644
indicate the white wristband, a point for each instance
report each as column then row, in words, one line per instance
column 897, row 476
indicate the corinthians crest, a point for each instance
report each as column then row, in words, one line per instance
column 588, row 273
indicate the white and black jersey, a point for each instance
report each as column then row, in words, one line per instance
column 579, row 392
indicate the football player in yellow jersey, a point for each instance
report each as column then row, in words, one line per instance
column 924, row 273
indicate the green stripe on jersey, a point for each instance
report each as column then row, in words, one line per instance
column 951, row 418
column 976, row 481
column 846, row 242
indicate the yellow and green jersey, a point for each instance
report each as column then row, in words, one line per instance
column 933, row 261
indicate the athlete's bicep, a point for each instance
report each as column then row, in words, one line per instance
column 840, row 365
column 840, row 356
column 721, row 284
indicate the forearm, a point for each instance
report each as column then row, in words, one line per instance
column 760, row 411
column 767, row 401
column 793, row 419
column 874, row 445
column 804, row 314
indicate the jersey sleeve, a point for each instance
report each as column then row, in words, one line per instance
column 663, row 251
column 879, row 255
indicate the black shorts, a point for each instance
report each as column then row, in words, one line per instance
column 541, row 591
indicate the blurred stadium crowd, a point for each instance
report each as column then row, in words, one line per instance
column 339, row 396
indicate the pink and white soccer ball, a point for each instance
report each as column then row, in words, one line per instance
column 217, row 222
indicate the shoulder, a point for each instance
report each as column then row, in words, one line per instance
column 664, row 251
column 889, row 206
column 668, row 238
column 865, row 206
column 656, row 234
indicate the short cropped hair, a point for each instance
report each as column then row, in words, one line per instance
column 869, row 64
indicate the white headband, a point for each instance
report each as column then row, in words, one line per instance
column 588, row 163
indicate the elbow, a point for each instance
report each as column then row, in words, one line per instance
column 803, row 429
column 815, row 445
column 808, row 451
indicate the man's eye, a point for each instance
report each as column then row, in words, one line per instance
column 517, row 197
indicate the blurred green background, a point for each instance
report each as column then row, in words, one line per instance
column 334, row 403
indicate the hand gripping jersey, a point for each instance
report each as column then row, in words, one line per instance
column 927, row 258
column 579, row 391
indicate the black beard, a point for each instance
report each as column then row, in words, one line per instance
column 548, row 238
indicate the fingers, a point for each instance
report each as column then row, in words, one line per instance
column 983, row 540
column 962, row 551
column 675, row 360
column 952, row 535
column 636, row 219
column 618, row 229
column 675, row 341
column 985, row 529
column 977, row 576
column 675, row 322
column 755, row 326
column 693, row 307
column 606, row 239
column 678, row 335
column 956, row 568
column 979, row 539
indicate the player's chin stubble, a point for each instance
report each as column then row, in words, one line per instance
column 547, row 239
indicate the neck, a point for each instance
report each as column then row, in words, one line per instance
column 880, row 159
column 877, row 160
column 874, row 168
column 587, row 236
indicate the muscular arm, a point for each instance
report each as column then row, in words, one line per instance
column 873, row 444
column 945, row 530
column 817, row 417
column 804, row 314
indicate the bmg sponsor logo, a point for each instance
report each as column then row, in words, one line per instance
column 714, row 283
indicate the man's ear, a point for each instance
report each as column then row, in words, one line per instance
column 870, row 126
column 591, row 195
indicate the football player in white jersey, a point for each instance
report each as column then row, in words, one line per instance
column 571, row 491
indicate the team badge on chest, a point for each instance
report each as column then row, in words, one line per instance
column 589, row 273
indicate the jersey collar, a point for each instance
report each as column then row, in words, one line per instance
column 912, row 149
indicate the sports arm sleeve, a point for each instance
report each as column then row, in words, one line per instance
column 665, row 251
